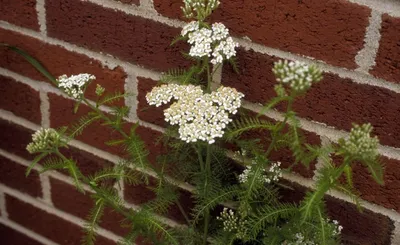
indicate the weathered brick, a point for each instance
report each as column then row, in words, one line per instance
column 146, row 112
column 22, row 13
column 141, row 194
column 20, row 99
column 62, row 194
column 47, row 224
column 13, row 237
column 330, row 30
column 335, row 101
column 15, row 138
column 13, row 175
column 388, row 57
column 58, row 61
column 131, row 38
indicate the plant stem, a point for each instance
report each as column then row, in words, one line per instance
column 206, row 187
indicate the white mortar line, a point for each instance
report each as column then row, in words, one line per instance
column 46, row 188
column 131, row 86
column 147, row 5
column 3, row 207
column 396, row 234
column 51, row 210
column 107, row 61
column 45, row 109
column 25, row 231
column 217, row 76
column 365, row 59
column 41, row 12
column 392, row 7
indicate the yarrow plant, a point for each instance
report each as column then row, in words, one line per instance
column 206, row 123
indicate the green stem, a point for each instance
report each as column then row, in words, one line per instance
column 206, row 189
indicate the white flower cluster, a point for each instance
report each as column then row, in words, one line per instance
column 199, row 116
column 73, row 85
column 232, row 222
column 297, row 75
column 201, row 7
column 43, row 139
column 360, row 142
column 337, row 229
column 214, row 42
column 300, row 240
column 272, row 175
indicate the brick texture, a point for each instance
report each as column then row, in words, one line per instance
column 12, row 237
column 21, row 13
column 335, row 101
column 20, row 99
column 388, row 57
column 15, row 138
column 61, row 195
column 13, row 175
column 131, row 38
column 47, row 224
column 57, row 61
column 330, row 30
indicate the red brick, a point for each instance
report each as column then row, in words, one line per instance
column 335, row 101
column 388, row 57
column 359, row 228
column 146, row 112
column 15, row 138
column 58, row 61
column 62, row 194
column 141, row 194
column 47, row 224
column 13, row 237
column 13, row 175
column 22, row 13
column 330, row 30
column 131, row 38
column 20, row 99
column 387, row 195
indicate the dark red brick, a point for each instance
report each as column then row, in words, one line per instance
column 387, row 195
column 22, row 13
column 62, row 194
column 330, row 30
column 142, row 194
column 335, row 101
column 131, row 38
column 13, row 175
column 15, row 138
column 20, row 99
column 58, row 61
column 388, row 57
column 360, row 228
column 146, row 112
column 47, row 224
column 13, row 237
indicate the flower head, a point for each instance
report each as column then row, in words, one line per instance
column 232, row 222
column 74, row 85
column 199, row 116
column 44, row 139
column 296, row 75
column 360, row 143
column 206, row 42
column 273, row 174
column 199, row 9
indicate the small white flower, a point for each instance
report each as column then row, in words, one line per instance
column 73, row 85
column 232, row 222
column 190, row 27
column 360, row 142
column 272, row 175
column 199, row 116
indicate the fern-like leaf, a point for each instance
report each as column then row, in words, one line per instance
column 93, row 220
column 243, row 125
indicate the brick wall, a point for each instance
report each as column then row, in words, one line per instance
column 125, row 44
